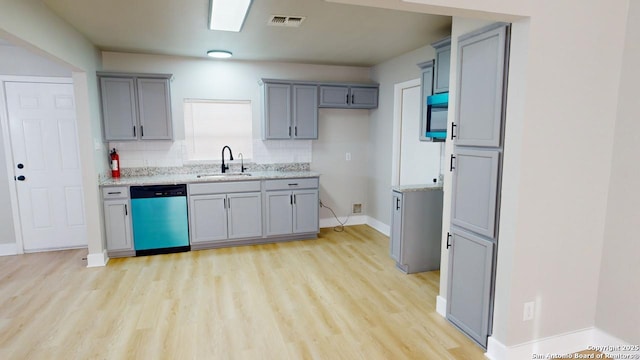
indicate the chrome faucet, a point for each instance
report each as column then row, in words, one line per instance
column 242, row 168
column 226, row 167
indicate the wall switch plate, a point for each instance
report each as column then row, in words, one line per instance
column 527, row 313
column 348, row 156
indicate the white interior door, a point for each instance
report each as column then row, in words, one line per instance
column 44, row 141
column 419, row 160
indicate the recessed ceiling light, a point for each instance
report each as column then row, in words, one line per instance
column 228, row 15
column 219, row 54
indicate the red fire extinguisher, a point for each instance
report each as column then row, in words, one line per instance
column 115, row 164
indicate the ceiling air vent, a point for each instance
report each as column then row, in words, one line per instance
column 283, row 20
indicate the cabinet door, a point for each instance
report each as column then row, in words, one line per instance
column 443, row 67
column 474, row 190
column 119, row 111
column 480, row 84
column 396, row 226
column 277, row 111
column 364, row 97
column 305, row 112
column 469, row 293
column 305, row 211
column 117, row 224
column 207, row 218
column 279, row 213
column 425, row 90
column 334, row 96
column 244, row 215
column 154, row 103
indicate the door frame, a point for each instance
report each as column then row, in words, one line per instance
column 397, row 127
column 8, row 150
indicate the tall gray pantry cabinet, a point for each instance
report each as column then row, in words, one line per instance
column 476, row 165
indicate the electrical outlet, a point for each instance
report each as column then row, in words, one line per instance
column 527, row 313
column 356, row 208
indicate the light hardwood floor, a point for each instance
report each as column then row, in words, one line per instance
column 337, row 297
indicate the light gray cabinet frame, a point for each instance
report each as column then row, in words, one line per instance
column 348, row 96
column 291, row 206
column 426, row 89
column 416, row 226
column 442, row 65
column 117, row 221
column 471, row 260
column 475, row 190
column 290, row 111
column 481, row 88
column 136, row 106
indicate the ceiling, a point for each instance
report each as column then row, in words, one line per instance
column 332, row 33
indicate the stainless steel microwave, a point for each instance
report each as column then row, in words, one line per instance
column 436, row 124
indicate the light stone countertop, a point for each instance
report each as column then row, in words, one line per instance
column 417, row 187
column 193, row 178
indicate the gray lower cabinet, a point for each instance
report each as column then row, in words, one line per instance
column 442, row 65
column 471, row 259
column 135, row 106
column 348, row 96
column 117, row 221
column 291, row 206
column 290, row 111
column 416, row 227
column 224, row 211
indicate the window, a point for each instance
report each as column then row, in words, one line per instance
column 212, row 124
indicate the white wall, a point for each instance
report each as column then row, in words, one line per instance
column 340, row 131
column 388, row 74
column 618, row 311
column 30, row 24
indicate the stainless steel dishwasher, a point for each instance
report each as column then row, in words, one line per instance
column 160, row 219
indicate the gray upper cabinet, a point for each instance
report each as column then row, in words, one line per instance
column 470, row 276
column 480, row 92
column 474, row 190
column 443, row 65
column 348, row 96
column 290, row 111
column 277, row 111
column 136, row 106
column 426, row 89
column 155, row 109
column 119, row 108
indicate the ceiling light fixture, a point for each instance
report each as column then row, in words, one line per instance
column 219, row 54
column 228, row 15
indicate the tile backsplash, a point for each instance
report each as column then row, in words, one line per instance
column 138, row 154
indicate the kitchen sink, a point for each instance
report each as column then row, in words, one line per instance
column 220, row 175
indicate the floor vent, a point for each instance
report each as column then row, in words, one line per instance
column 283, row 20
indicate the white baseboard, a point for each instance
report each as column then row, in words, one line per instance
column 9, row 249
column 353, row 220
column 441, row 306
column 97, row 259
column 585, row 339
column 379, row 225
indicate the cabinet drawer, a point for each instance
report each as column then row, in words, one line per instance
column 286, row 184
column 224, row 187
column 116, row 192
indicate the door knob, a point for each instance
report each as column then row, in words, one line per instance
column 20, row 166
column 21, row 178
